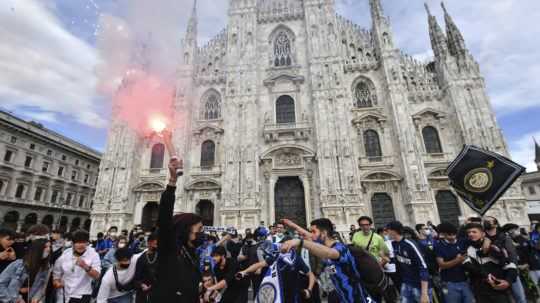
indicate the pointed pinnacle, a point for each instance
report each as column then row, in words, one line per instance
column 427, row 8
column 444, row 8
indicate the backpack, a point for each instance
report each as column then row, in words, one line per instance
column 372, row 275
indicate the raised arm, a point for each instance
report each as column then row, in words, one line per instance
column 315, row 249
column 167, row 244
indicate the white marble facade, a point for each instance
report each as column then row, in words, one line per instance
column 291, row 89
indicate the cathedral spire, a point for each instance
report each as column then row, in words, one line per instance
column 377, row 12
column 537, row 154
column 438, row 40
column 189, row 44
column 456, row 43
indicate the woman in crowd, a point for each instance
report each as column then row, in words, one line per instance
column 25, row 279
column 178, row 274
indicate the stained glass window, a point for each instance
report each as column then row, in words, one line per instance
column 372, row 145
column 364, row 96
column 431, row 140
column 158, row 153
column 282, row 50
column 208, row 151
column 212, row 107
column 285, row 110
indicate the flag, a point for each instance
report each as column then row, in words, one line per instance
column 270, row 289
column 481, row 177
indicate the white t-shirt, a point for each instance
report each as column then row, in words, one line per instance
column 390, row 267
column 107, row 289
column 77, row 282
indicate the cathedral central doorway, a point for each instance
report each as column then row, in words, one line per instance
column 289, row 200
column 205, row 209
column 149, row 216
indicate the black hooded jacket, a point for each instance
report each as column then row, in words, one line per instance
column 178, row 275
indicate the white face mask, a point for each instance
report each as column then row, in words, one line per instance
column 45, row 254
column 67, row 244
column 427, row 232
column 121, row 245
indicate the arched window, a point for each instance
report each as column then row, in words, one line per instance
column 208, row 154
column 285, row 110
column 382, row 209
column 282, row 49
column 158, row 153
column 372, row 145
column 212, row 107
column 364, row 95
column 431, row 140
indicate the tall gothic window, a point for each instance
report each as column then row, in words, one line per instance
column 372, row 145
column 158, row 153
column 282, row 50
column 364, row 95
column 208, row 154
column 212, row 107
column 431, row 140
column 285, row 110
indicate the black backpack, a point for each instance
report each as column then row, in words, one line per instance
column 372, row 275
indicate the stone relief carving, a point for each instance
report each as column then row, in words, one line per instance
column 288, row 159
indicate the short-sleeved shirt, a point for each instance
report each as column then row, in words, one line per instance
column 375, row 247
column 345, row 276
column 234, row 287
column 448, row 252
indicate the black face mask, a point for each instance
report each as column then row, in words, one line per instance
column 200, row 238
column 477, row 244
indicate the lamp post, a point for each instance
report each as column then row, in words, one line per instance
column 62, row 205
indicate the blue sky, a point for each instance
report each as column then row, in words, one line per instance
column 60, row 58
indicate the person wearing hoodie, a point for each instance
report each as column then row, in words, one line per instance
column 178, row 274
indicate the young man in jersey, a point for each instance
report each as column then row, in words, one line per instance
column 337, row 259
column 292, row 269
column 411, row 266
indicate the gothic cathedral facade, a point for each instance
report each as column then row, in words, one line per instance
column 293, row 111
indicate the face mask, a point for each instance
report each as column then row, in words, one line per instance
column 45, row 254
column 200, row 237
column 516, row 233
column 121, row 245
column 387, row 238
column 427, row 232
column 477, row 244
column 113, row 234
column 67, row 244
column 319, row 240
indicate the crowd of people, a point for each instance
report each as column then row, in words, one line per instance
column 183, row 261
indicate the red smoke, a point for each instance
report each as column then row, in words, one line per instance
column 142, row 99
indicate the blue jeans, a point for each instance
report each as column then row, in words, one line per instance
column 458, row 292
column 127, row 298
column 518, row 292
column 410, row 294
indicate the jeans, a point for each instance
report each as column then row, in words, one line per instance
column 458, row 292
column 518, row 292
column 410, row 294
column 127, row 298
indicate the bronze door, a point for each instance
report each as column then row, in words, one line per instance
column 149, row 216
column 205, row 209
column 289, row 200
column 382, row 209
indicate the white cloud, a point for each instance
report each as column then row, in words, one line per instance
column 45, row 67
column 522, row 150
